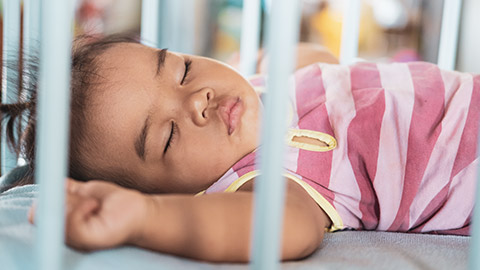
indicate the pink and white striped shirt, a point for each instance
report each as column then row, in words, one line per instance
column 401, row 146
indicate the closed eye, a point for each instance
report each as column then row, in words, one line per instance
column 171, row 138
column 188, row 63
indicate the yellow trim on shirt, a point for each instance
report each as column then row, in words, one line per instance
column 337, row 223
column 323, row 137
column 237, row 183
column 242, row 180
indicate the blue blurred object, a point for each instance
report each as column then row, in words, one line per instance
column 11, row 45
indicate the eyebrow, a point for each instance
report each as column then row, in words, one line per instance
column 161, row 55
column 141, row 139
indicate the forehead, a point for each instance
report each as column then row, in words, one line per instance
column 120, row 101
column 126, row 56
column 126, row 70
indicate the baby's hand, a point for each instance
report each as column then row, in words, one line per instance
column 101, row 215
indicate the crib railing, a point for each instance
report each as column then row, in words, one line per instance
column 11, row 43
column 447, row 53
column 53, row 106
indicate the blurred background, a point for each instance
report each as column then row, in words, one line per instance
column 390, row 30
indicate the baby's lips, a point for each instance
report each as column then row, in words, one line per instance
column 235, row 116
column 231, row 110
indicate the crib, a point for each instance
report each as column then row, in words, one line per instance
column 23, row 246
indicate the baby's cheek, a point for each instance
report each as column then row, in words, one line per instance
column 217, row 164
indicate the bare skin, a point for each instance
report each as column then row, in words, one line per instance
column 177, row 105
column 103, row 215
column 307, row 53
column 214, row 227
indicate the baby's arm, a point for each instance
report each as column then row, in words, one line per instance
column 307, row 54
column 215, row 227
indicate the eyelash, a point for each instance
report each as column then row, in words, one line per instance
column 188, row 63
column 171, row 139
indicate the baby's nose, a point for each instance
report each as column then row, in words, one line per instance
column 199, row 103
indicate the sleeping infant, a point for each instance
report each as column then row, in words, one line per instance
column 163, row 150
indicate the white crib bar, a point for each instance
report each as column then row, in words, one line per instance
column 186, row 34
column 270, row 186
column 11, row 45
column 474, row 252
column 150, row 32
column 31, row 27
column 350, row 31
column 447, row 52
column 250, row 37
column 268, row 5
column 31, row 42
column 52, row 132
column 178, row 25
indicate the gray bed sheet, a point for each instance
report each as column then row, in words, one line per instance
column 340, row 250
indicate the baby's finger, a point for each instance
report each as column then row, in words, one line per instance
column 94, row 188
column 31, row 213
column 80, row 206
column 71, row 185
column 80, row 211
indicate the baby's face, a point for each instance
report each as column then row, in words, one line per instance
column 169, row 129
